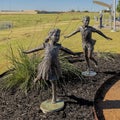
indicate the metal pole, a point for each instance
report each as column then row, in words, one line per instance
column 111, row 13
column 114, row 10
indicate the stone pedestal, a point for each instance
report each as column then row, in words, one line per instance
column 48, row 106
column 89, row 73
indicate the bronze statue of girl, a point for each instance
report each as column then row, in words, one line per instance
column 49, row 68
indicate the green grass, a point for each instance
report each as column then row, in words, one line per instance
column 22, row 20
column 30, row 31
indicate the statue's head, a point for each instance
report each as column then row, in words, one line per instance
column 86, row 20
column 54, row 35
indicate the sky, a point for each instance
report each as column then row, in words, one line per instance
column 52, row 5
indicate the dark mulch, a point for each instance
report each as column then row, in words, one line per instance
column 78, row 96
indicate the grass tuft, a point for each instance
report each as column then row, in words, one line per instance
column 24, row 70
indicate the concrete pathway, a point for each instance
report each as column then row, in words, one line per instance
column 111, row 103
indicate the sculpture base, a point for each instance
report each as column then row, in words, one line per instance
column 89, row 73
column 48, row 106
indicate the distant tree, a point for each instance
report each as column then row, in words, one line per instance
column 85, row 11
column 72, row 10
column 78, row 11
column 118, row 7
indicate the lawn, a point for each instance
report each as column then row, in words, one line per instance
column 30, row 31
column 80, row 95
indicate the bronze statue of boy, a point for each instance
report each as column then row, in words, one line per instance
column 87, row 41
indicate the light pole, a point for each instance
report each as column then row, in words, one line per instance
column 114, row 15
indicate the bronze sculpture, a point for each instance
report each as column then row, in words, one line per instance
column 49, row 68
column 87, row 41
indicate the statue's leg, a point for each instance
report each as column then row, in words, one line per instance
column 87, row 58
column 95, row 62
column 53, row 83
column 39, row 72
column 37, row 78
column 90, row 52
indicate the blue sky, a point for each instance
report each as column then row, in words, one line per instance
column 52, row 5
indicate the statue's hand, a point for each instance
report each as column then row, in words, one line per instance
column 24, row 52
column 65, row 37
column 109, row 38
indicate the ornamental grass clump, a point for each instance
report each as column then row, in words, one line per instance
column 24, row 70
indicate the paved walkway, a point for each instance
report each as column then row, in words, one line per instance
column 111, row 103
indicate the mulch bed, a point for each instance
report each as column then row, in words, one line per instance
column 78, row 95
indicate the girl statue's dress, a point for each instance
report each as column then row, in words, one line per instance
column 49, row 68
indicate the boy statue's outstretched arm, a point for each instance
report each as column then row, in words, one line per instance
column 100, row 33
column 73, row 33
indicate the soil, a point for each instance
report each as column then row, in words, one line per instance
column 81, row 97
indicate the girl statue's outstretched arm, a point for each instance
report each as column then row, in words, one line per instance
column 35, row 49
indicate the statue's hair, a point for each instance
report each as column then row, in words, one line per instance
column 51, row 33
column 86, row 17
